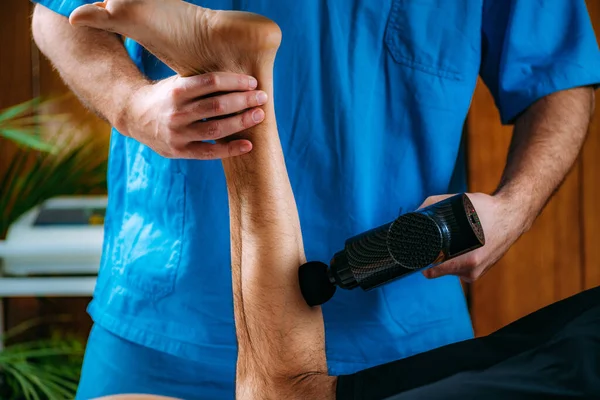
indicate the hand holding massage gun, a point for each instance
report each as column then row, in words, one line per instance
column 412, row 242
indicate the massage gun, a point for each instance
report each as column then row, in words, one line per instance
column 410, row 243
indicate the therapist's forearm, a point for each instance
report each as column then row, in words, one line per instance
column 93, row 63
column 546, row 142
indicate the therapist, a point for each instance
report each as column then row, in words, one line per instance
column 371, row 98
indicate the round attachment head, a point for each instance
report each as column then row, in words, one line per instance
column 314, row 283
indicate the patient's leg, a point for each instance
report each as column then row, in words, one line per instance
column 281, row 339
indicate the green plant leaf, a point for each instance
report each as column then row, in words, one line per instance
column 39, row 119
column 37, row 353
column 25, row 138
column 62, row 379
column 43, row 369
column 33, row 377
column 27, row 388
column 51, row 386
column 19, row 109
column 8, row 197
column 18, row 125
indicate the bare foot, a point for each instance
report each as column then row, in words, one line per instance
column 280, row 339
column 192, row 40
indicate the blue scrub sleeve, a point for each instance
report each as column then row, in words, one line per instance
column 63, row 7
column 531, row 49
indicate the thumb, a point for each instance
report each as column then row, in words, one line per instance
column 93, row 16
column 450, row 267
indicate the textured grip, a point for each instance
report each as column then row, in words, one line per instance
column 410, row 243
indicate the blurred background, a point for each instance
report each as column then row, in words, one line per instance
column 51, row 147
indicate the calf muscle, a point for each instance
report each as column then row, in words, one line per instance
column 280, row 339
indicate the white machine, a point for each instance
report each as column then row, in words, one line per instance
column 61, row 239
column 53, row 250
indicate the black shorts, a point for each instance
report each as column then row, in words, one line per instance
column 553, row 353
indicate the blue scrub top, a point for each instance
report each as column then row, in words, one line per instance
column 371, row 98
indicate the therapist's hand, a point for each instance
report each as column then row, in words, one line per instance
column 177, row 116
column 501, row 226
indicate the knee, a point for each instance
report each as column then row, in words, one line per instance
column 310, row 385
column 288, row 386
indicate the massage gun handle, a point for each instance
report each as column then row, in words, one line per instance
column 459, row 223
column 412, row 242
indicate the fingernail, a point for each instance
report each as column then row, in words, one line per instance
column 245, row 147
column 253, row 83
column 261, row 97
column 258, row 115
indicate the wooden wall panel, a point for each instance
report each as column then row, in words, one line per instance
column 560, row 255
column 24, row 74
column 15, row 63
column 590, row 183
column 16, row 86
column 15, row 53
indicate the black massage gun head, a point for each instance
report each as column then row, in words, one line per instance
column 315, row 285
